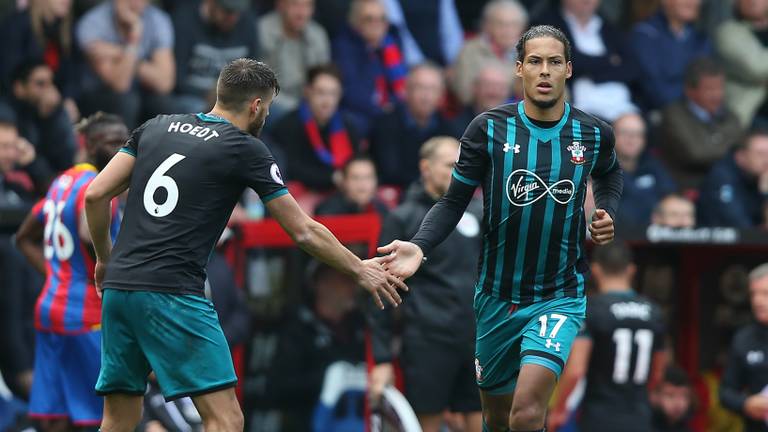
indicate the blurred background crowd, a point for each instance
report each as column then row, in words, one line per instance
column 364, row 84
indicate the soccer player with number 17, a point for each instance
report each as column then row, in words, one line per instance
column 186, row 173
column 532, row 160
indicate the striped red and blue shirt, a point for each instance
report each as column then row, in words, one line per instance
column 68, row 303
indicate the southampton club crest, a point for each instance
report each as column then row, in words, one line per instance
column 577, row 152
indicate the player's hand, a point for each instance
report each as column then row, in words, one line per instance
column 382, row 375
column 601, row 227
column 402, row 259
column 556, row 419
column 98, row 277
column 756, row 407
column 375, row 279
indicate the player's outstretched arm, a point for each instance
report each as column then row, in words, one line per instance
column 29, row 240
column 406, row 257
column 110, row 182
column 314, row 238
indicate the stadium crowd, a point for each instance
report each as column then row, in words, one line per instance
column 364, row 83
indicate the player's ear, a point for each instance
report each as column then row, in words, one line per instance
column 568, row 70
column 631, row 270
column 597, row 271
column 519, row 69
column 255, row 105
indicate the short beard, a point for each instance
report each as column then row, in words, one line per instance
column 255, row 129
column 545, row 104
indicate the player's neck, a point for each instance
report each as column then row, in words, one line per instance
column 614, row 285
column 240, row 121
column 534, row 112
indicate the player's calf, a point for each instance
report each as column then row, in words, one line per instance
column 220, row 411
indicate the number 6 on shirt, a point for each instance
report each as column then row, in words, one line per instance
column 158, row 180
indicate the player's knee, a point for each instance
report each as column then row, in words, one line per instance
column 225, row 420
column 109, row 424
column 529, row 415
column 496, row 420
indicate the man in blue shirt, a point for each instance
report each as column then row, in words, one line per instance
column 736, row 191
column 664, row 45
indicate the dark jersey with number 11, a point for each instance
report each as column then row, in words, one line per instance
column 626, row 330
column 190, row 171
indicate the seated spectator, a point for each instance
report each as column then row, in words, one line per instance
column 429, row 29
column 664, row 45
column 292, row 43
column 129, row 48
column 646, row 181
column 228, row 299
column 16, row 190
column 698, row 130
column 734, row 192
column 492, row 87
column 209, row 34
column 742, row 44
column 317, row 136
column 396, row 137
column 332, row 15
column 370, row 58
column 672, row 402
column 328, row 329
column 43, row 30
column 742, row 388
column 42, row 120
column 503, row 23
column 357, row 191
column 674, row 211
column 605, row 64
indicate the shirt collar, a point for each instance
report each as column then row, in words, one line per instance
column 592, row 27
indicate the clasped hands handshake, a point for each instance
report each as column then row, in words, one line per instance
column 382, row 276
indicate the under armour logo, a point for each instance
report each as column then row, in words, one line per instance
column 550, row 345
column 516, row 148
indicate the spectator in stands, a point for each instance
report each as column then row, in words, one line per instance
column 503, row 23
column 16, row 188
column 21, row 286
column 664, row 45
column 329, row 329
column 228, row 299
column 437, row 318
column 735, row 191
column 318, row 137
column 42, row 120
column 646, row 180
column 672, row 402
column 397, row 136
column 674, row 211
column 698, row 130
column 370, row 58
column 742, row 43
column 429, row 29
column 357, row 191
column 209, row 34
column 332, row 15
column 43, row 30
column 129, row 47
column 742, row 388
column 493, row 87
column 292, row 43
column 605, row 63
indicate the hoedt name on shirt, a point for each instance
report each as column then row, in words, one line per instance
column 187, row 128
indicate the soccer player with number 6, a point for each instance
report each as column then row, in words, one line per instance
column 55, row 239
column 185, row 174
